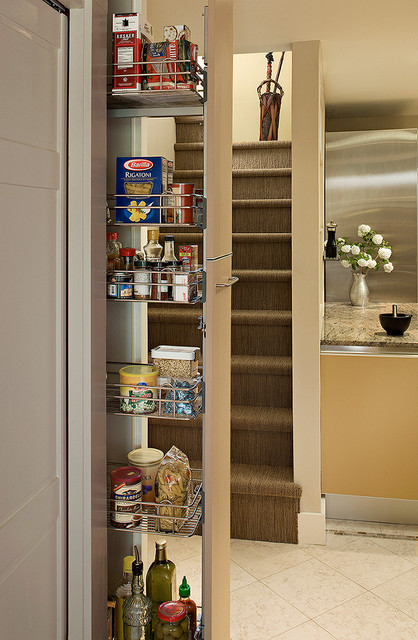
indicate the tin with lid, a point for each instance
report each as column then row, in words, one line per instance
column 126, row 497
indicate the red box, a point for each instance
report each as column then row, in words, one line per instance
column 165, row 67
column 189, row 251
column 130, row 32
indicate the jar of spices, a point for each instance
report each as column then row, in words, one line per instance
column 127, row 255
column 142, row 275
column 172, row 621
column 159, row 279
column 118, row 286
column 172, row 267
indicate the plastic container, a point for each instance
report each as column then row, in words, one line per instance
column 172, row 621
column 126, row 497
column 141, row 376
column 176, row 362
column 148, row 460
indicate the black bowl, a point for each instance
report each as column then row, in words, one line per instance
column 395, row 325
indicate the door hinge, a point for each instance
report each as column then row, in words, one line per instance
column 202, row 326
column 200, row 214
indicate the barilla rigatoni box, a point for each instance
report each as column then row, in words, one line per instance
column 168, row 64
column 140, row 179
column 130, row 32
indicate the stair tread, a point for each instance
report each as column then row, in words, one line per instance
column 259, row 481
column 277, row 144
column 189, row 119
column 238, row 173
column 262, row 237
column 260, row 202
column 263, row 274
column 274, row 365
column 247, row 418
column 239, row 316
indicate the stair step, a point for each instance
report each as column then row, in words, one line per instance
column 261, row 365
column 245, row 155
column 249, row 418
column 261, row 317
column 237, row 146
column 189, row 174
column 254, row 275
column 255, row 481
column 261, row 237
column 250, row 216
column 268, row 203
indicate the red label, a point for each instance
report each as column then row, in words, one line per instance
column 138, row 165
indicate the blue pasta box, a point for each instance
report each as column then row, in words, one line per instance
column 140, row 179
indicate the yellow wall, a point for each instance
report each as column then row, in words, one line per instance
column 249, row 72
column 369, row 425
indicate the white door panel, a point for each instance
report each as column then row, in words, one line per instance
column 32, row 322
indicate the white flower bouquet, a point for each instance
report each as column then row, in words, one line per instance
column 370, row 253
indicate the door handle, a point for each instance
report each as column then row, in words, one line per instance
column 231, row 280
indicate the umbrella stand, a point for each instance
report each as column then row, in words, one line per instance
column 270, row 103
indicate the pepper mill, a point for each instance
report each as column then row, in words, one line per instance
column 331, row 246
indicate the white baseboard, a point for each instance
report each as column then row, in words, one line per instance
column 392, row 510
column 311, row 526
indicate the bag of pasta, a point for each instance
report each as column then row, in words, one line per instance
column 172, row 488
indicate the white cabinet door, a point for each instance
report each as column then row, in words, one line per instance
column 32, row 321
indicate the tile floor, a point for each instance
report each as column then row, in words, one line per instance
column 361, row 585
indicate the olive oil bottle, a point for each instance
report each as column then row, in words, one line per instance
column 161, row 579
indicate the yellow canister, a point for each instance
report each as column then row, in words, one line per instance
column 148, row 460
column 138, row 377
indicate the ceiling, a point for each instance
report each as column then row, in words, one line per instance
column 369, row 48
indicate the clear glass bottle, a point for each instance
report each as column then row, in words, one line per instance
column 169, row 255
column 161, row 579
column 184, row 593
column 123, row 590
column 137, row 608
column 112, row 251
column 127, row 258
column 153, row 250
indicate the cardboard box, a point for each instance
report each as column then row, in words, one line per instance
column 139, row 178
column 189, row 251
column 176, row 32
column 130, row 32
column 165, row 68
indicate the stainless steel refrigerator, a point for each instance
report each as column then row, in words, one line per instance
column 371, row 178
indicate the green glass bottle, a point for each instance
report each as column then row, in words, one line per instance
column 137, row 609
column 161, row 579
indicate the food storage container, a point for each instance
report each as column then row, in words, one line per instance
column 148, row 460
column 140, row 376
column 176, row 362
column 126, row 497
column 172, row 622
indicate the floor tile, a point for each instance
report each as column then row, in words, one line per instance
column 313, row 587
column 259, row 613
column 263, row 559
column 240, row 577
column 333, row 541
column 402, row 593
column 371, row 527
column 306, row 631
column 368, row 618
column 367, row 563
column 408, row 549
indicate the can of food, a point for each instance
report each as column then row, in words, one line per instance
column 137, row 397
column 183, row 203
column 148, row 460
column 126, row 497
column 117, row 285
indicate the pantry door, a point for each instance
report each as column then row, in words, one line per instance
column 33, row 58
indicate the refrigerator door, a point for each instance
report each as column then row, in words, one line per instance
column 371, row 178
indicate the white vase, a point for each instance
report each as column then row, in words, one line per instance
column 359, row 291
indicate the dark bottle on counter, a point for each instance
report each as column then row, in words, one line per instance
column 161, row 579
column 169, row 255
column 331, row 245
column 137, row 608
column 184, row 593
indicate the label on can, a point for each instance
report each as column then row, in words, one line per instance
column 126, row 505
column 130, row 404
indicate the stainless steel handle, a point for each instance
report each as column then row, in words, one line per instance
column 231, row 280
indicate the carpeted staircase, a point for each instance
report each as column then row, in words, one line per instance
column 264, row 498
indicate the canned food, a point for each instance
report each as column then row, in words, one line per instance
column 183, row 204
column 117, row 286
column 137, row 398
column 126, row 497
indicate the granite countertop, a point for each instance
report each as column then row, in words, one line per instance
column 345, row 325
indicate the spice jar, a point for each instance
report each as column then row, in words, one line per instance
column 172, row 621
column 117, row 285
column 127, row 255
column 172, row 267
column 159, row 278
column 126, row 497
column 143, row 275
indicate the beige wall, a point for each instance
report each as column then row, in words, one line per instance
column 249, row 72
column 162, row 12
column 307, row 269
column 369, row 425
